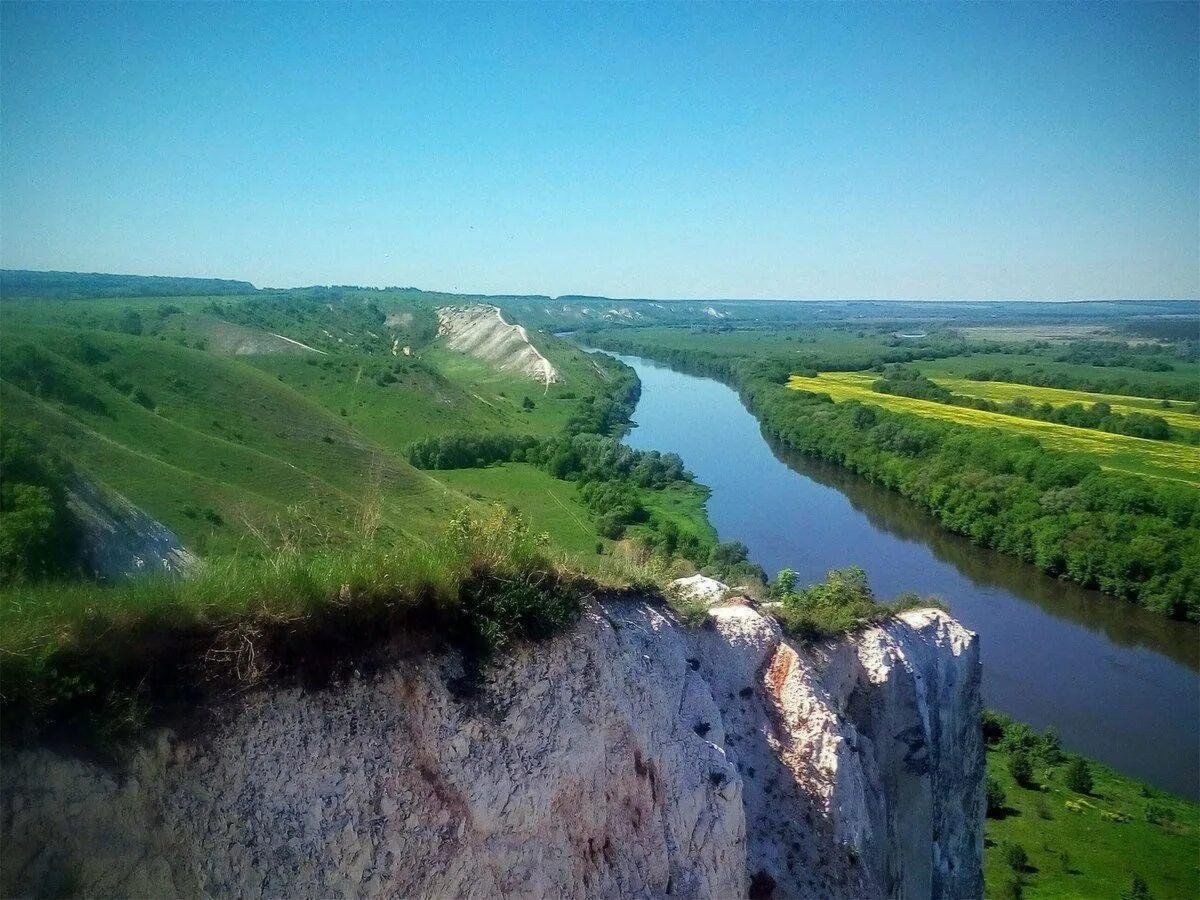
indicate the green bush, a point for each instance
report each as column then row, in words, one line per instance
column 1016, row 857
column 1078, row 776
column 38, row 534
column 1020, row 768
column 996, row 798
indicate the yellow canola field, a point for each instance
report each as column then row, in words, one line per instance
column 1005, row 391
column 1139, row 456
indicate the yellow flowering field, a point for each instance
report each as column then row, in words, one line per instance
column 1159, row 459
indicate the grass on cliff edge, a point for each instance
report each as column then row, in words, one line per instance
column 1083, row 845
column 84, row 662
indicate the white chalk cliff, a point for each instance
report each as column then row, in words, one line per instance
column 631, row 757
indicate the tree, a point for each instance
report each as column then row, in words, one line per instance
column 1078, row 776
column 785, row 583
column 1016, row 857
column 996, row 798
column 1021, row 768
column 130, row 321
column 1137, row 890
column 527, row 404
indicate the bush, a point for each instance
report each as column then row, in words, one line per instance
column 994, row 724
column 1078, row 776
column 1021, row 768
column 1137, row 890
column 996, row 798
column 38, row 534
column 1016, row 857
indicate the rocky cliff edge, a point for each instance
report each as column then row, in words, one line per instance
column 629, row 757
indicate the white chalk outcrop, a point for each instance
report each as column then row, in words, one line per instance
column 481, row 331
column 630, row 757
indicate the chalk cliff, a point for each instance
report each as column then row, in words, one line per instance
column 629, row 757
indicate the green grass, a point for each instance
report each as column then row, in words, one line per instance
column 1106, row 837
column 1159, row 459
column 547, row 503
column 220, row 435
column 100, row 662
column 267, row 442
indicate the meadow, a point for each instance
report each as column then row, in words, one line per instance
column 1120, row 453
column 1088, row 845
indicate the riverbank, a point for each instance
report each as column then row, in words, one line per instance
column 1136, row 539
column 1111, row 678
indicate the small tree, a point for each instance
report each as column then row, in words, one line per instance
column 785, row 583
column 526, row 403
column 1021, row 768
column 1078, row 776
column 1016, row 857
column 1137, row 890
column 996, row 798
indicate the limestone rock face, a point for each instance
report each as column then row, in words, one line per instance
column 630, row 757
column 481, row 331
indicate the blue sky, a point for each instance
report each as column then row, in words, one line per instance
column 974, row 151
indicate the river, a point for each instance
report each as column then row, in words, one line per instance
column 1118, row 683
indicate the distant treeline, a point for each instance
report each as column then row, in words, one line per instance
column 1138, row 539
column 21, row 283
column 903, row 382
column 1036, row 376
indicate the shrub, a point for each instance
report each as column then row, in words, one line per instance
column 994, row 725
column 1137, row 890
column 1078, row 776
column 996, row 798
column 1021, row 768
column 38, row 534
column 1016, row 857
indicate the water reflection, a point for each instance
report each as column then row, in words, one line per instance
column 1122, row 623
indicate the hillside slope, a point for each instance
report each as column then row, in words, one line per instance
column 481, row 331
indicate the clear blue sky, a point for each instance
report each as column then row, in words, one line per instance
column 972, row 151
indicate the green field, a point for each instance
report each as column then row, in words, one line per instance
column 1107, row 836
column 1120, row 453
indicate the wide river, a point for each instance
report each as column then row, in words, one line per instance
column 1119, row 684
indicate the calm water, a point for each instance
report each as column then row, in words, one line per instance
column 1118, row 683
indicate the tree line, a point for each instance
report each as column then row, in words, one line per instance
column 1100, row 416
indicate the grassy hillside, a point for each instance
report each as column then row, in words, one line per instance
column 1159, row 459
column 1089, row 844
column 244, row 421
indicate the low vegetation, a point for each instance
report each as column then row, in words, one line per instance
column 843, row 602
column 99, row 662
column 1059, row 825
